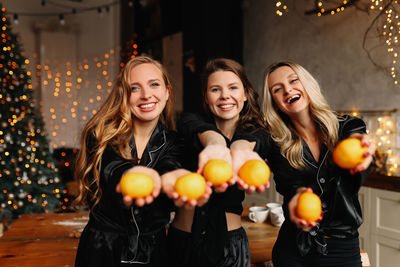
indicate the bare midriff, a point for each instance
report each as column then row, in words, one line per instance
column 184, row 218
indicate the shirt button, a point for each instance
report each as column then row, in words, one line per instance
column 322, row 180
column 203, row 212
column 136, row 211
column 324, row 205
column 313, row 233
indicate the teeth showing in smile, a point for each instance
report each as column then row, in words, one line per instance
column 293, row 99
column 226, row 106
column 147, row 105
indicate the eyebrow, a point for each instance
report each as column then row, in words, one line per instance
column 149, row 81
column 289, row 76
column 218, row 85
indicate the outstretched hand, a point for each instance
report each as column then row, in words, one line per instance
column 168, row 186
column 128, row 201
column 371, row 147
column 216, row 151
column 242, row 151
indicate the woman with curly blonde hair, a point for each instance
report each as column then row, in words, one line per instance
column 130, row 133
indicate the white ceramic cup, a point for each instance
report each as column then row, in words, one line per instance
column 273, row 205
column 258, row 214
column 276, row 216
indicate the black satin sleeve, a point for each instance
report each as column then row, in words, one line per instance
column 190, row 124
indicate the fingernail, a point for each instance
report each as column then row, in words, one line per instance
column 352, row 172
column 322, row 213
column 198, row 171
column 361, row 169
column 302, row 223
column 366, row 154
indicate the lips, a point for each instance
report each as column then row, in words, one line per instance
column 293, row 99
column 226, row 106
column 147, row 107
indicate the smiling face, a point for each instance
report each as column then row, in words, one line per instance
column 225, row 95
column 287, row 91
column 149, row 93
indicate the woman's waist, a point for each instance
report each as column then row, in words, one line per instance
column 184, row 220
column 233, row 221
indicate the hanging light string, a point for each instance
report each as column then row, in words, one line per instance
column 280, row 7
column 387, row 26
column 321, row 9
column 61, row 15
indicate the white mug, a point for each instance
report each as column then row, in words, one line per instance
column 276, row 216
column 258, row 214
column 273, row 205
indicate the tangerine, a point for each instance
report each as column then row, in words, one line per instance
column 255, row 172
column 349, row 153
column 136, row 185
column 308, row 206
column 191, row 185
column 217, row 171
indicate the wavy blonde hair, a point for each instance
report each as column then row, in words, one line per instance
column 112, row 125
column 281, row 128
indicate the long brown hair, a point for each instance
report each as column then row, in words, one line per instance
column 112, row 124
column 250, row 118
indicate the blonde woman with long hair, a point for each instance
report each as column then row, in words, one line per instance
column 302, row 132
column 130, row 133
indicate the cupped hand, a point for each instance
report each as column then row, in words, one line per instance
column 214, row 151
column 300, row 223
column 240, row 154
column 368, row 154
column 168, row 186
column 140, row 202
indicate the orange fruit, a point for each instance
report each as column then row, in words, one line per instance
column 191, row 185
column 217, row 171
column 308, row 206
column 349, row 153
column 136, row 185
column 255, row 172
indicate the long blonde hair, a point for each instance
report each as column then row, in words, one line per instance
column 281, row 128
column 112, row 124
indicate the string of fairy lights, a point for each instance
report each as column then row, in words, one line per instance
column 76, row 91
column 389, row 31
column 321, row 7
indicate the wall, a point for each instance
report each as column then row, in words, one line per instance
column 85, row 38
column 330, row 47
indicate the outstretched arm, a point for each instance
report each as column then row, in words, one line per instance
column 128, row 201
column 168, row 181
column 242, row 151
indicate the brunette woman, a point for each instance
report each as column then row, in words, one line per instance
column 212, row 235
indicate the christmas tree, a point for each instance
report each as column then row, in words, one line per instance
column 29, row 182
